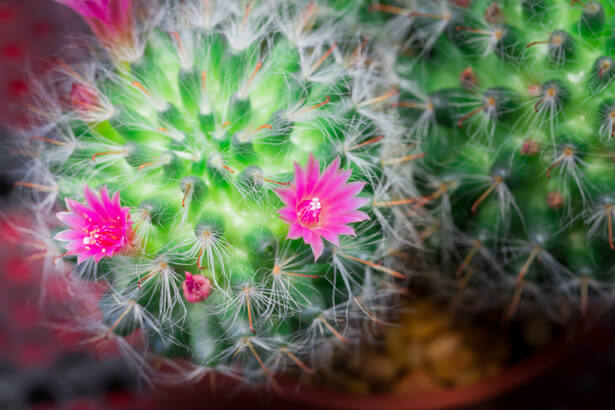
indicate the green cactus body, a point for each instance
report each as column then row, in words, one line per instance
column 196, row 134
column 512, row 104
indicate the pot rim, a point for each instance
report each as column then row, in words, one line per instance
column 506, row 380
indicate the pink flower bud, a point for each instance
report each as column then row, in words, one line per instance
column 196, row 288
column 530, row 147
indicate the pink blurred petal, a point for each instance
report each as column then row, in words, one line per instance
column 350, row 217
column 288, row 214
column 343, row 207
column 79, row 209
column 295, row 231
column 334, row 183
column 89, row 8
column 329, row 173
column 339, row 230
column 312, row 173
column 106, row 202
column 70, row 219
column 287, row 196
column 315, row 242
column 93, row 201
column 112, row 21
column 344, row 191
column 69, row 235
column 329, row 235
column 299, row 181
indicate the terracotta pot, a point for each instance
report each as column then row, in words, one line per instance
column 227, row 395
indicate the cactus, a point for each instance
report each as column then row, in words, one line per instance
column 511, row 103
column 199, row 159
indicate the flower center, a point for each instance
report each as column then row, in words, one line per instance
column 103, row 235
column 309, row 212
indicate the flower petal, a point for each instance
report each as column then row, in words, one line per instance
column 288, row 214
column 79, row 209
column 329, row 235
column 315, row 242
column 111, row 208
column 342, row 208
column 287, row 196
column 295, row 231
column 338, row 229
column 312, row 173
column 89, row 9
column 347, row 217
column 329, row 173
column 347, row 191
column 73, row 220
column 334, row 183
column 69, row 235
column 94, row 202
column 299, row 181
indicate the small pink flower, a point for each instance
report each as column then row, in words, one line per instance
column 320, row 206
column 110, row 20
column 196, row 288
column 102, row 228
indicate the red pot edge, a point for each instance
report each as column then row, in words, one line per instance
column 507, row 380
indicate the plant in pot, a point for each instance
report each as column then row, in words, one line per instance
column 228, row 135
column 230, row 170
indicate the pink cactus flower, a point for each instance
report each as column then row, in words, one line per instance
column 110, row 20
column 196, row 288
column 100, row 228
column 321, row 206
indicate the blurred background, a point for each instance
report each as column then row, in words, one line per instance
column 43, row 365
